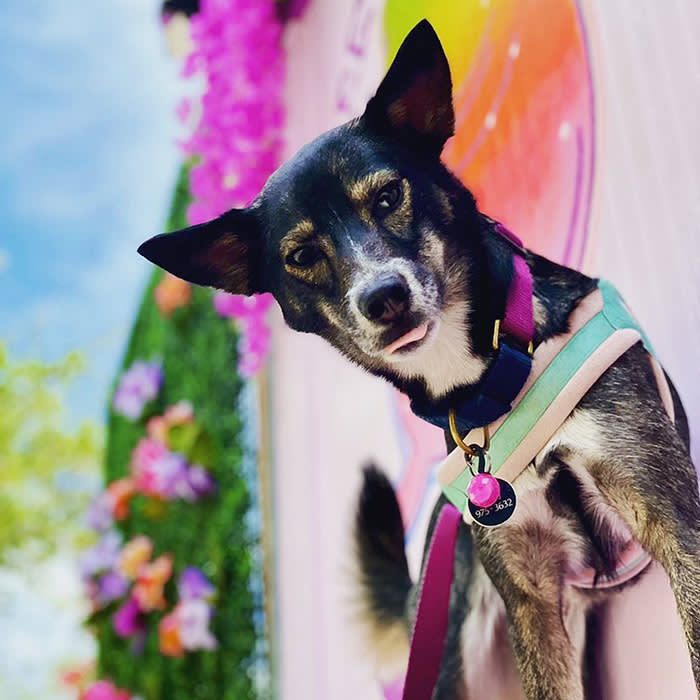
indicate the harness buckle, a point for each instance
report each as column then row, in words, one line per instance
column 496, row 342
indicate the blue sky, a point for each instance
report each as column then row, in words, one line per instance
column 87, row 165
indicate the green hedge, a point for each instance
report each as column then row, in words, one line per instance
column 198, row 352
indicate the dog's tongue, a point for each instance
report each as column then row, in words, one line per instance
column 418, row 333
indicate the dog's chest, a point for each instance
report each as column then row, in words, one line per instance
column 561, row 515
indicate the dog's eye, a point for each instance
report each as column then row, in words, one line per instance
column 388, row 198
column 304, row 256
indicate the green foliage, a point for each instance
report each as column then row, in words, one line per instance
column 41, row 462
column 198, row 352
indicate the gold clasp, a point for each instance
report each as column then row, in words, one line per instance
column 496, row 341
column 456, row 437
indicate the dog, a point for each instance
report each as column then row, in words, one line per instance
column 367, row 240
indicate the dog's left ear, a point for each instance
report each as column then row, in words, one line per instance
column 415, row 97
column 222, row 253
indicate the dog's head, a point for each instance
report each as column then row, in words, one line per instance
column 363, row 237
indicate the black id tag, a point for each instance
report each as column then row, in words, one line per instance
column 497, row 513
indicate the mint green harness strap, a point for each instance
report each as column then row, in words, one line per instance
column 613, row 317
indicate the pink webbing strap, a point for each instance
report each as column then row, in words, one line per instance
column 430, row 628
column 518, row 321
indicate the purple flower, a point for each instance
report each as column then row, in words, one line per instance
column 170, row 476
column 193, row 618
column 129, row 619
column 200, row 481
column 137, row 386
column 101, row 557
column 194, row 585
column 111, row 586
column 98, row 515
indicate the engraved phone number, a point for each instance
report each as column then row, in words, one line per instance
column 499, row 505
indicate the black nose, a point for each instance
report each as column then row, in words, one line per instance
column 385, row 300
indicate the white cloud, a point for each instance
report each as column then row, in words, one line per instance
column 4, row 260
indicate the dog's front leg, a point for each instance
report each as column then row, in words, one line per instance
column 547, row 631
column 657, row 495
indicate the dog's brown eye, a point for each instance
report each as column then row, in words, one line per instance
column 388, row 198
column 304, row 256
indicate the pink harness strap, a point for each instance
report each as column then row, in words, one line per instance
column 430, row 629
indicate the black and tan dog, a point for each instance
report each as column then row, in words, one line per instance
column 367, row 240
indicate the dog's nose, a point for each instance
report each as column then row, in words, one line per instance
column 385, row 300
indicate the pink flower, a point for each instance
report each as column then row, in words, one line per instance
column 104, row 690
column 129, row 619
column 146, row 453
column 152, row 465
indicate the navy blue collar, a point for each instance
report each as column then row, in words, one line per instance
column 510, row 367
column 491, row 398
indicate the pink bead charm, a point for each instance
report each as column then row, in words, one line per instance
column 483, row 490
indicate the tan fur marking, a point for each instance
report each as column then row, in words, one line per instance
column 360, row 190
column 297, row 234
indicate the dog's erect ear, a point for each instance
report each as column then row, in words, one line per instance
column 221, row 253
column 416, row 93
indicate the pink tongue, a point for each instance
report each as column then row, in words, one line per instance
column 417, row 333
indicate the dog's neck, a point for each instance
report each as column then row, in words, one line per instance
column 456, row 367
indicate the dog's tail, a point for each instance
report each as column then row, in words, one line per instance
column 383, row 569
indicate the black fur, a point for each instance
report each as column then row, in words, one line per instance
column 379, row 537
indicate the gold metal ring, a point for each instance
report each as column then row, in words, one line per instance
column 496, row 340
column 456, row 437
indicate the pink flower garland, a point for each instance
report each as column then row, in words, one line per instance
column 238, row 140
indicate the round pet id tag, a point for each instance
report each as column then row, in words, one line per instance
column 491, row 501
column 500, row 511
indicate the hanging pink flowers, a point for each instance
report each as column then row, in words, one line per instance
column 250, row 314
column 138, row 385
column 238, row 139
